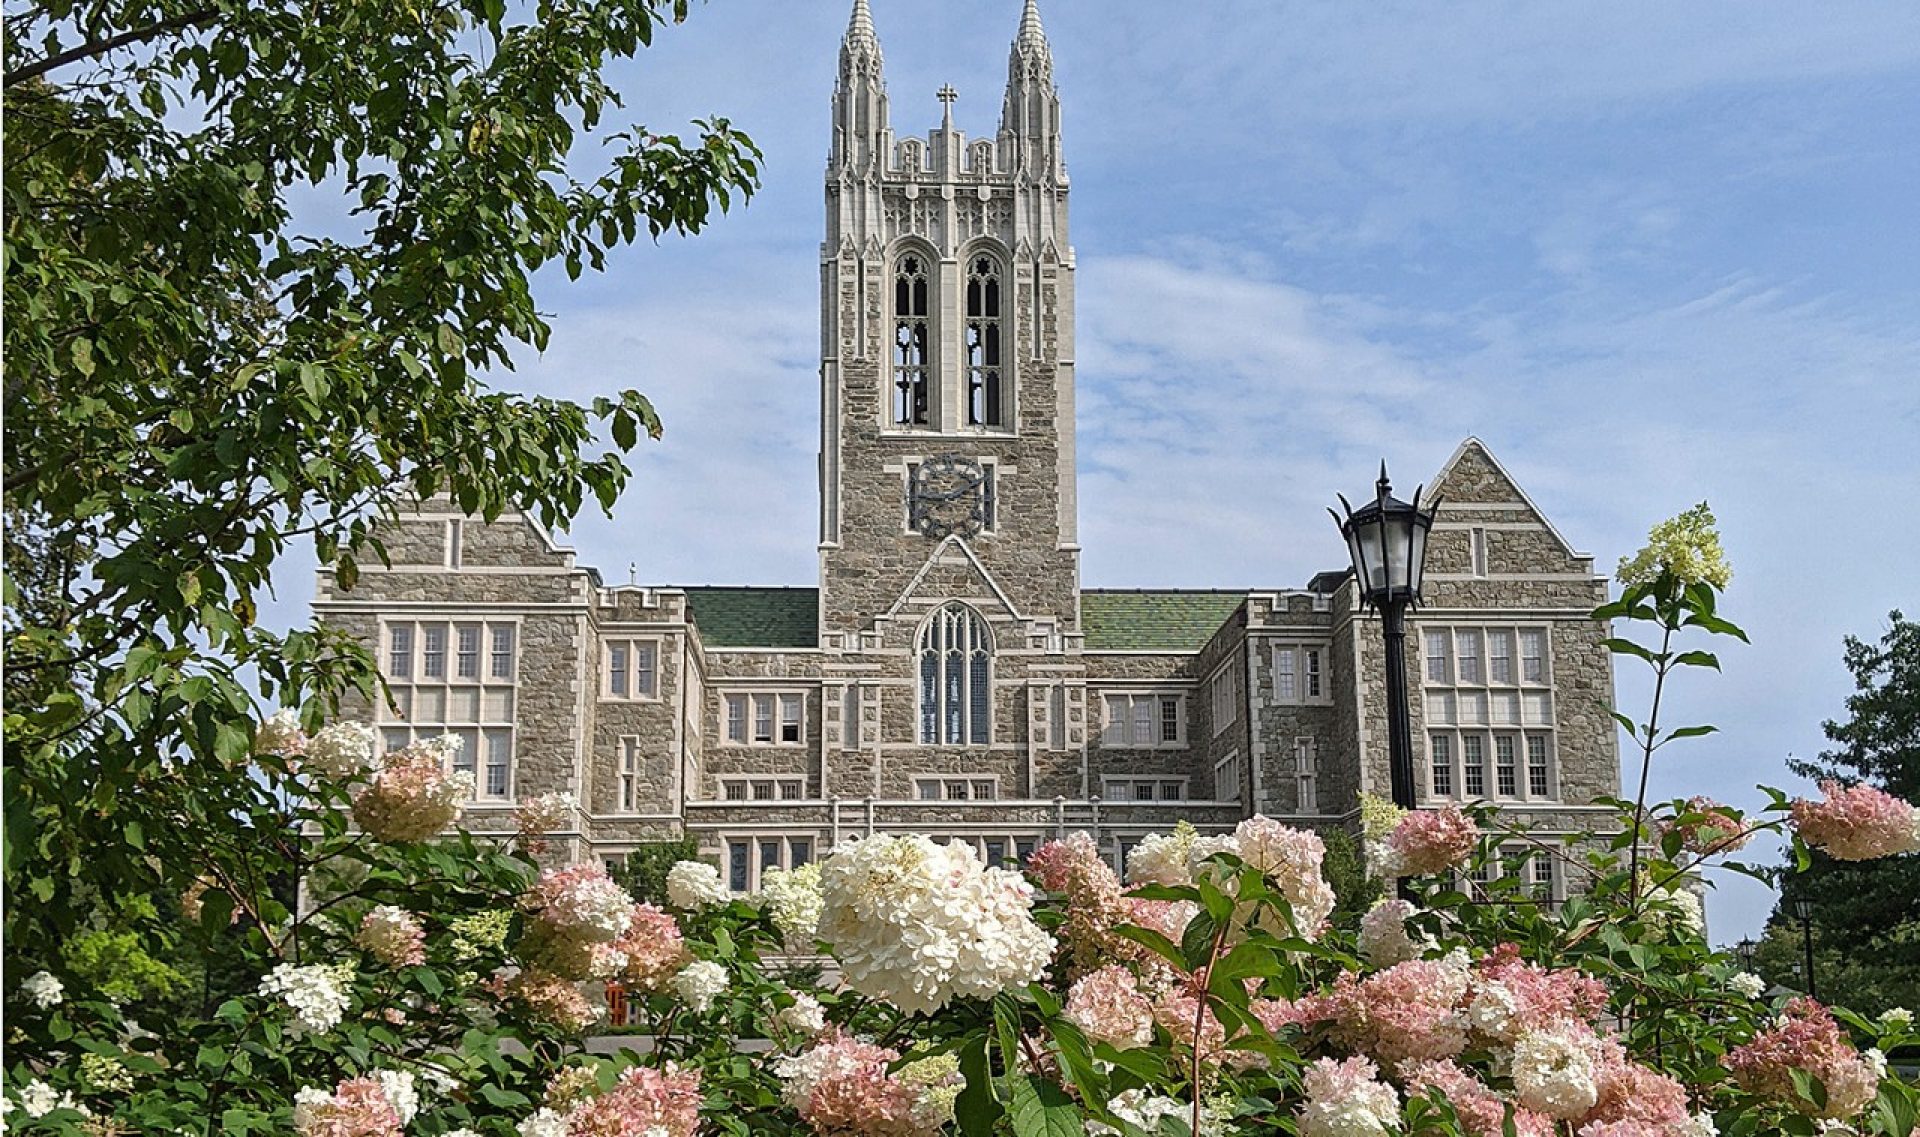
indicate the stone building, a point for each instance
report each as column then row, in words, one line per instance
column 948, row 674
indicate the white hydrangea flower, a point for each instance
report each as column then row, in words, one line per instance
column 793, row 900
column 343, row 750
column 1896, row 1018
column 1701, row 1126
column 1553, row 1073
column 43, row 990
column 1139, row 1108
column 316, row 994
column 37, row 1099
column 699, row 983
column 280, row 734
column 544, row 1123
column 806, row 1018
column 917, row 924
column 401, row 1094
column 438, row 1080
column 1748, row 984
column 1163, row 858
column 1383, row 934
column 693, row 885
column 1492, row 1009
column 460, row 1132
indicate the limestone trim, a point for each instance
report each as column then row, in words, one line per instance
column 933, row 559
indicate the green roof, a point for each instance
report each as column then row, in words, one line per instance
column 1162, row 620
column 756, row 617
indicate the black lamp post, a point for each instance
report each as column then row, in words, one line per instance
column 1387, row 539
column 1802, row 909
column 1746, row 950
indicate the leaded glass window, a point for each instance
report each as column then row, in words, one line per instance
column 956, row 690
column 982, row 342
column 912, row 363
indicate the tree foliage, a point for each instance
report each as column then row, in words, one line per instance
column 1867, row 913
column 256, row 258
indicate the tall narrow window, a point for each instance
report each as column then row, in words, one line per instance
column 467, row 653
column 1505, row 766
column 400, row 653
column 454, row 541
column 1473, row 750
column 956, row 697
column 502, row 651
column 617, row 670
column 1500, row 656
column 912, row 367
column 499, row 758
column 1437, row 669
column 1312, row 657
column 1537, row 778
column 629, row 774
column 1477, row 540
column 1469, row 656
column 983, row 343
column 433, row 656
column 1286, row 675
column 1442, row 765
column 1533, row 650
column 1306, row 772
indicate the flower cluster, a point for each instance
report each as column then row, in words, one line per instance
column 43, row 990
column 393, row 936
column 693, row 885
column 653, row 949
column 1291, row 858
column 792, row 899
column 357, row 1107
column 582, row 902
column 1857, row 823
column 841, row 1086
column 1410, row 1011
column 1384, row 939
column 535, row 817
column 1482, row 1111
column 805, row 1017
column 1428, row 841
column 1146, row 1111
column 280, row 734
column 317, row 994
column 1706, row 826
column 1347, row 1099
column 479, row 934
column 1074, row 869
column 413, row 796
column 699, row 983
column 341, row 751
column 548, row 998
column 1806, row 1038
column 1688, row 546
column 917, row 924
column 1108, row 1005
column 643, row 1103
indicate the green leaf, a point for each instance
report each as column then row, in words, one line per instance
column 1690, row 732
column 1039, row 1108
column 975, row 1109
column 1697, row 659
column 1627, row 647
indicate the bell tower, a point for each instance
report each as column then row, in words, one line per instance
column 946, row 372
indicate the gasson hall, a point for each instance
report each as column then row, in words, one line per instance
column 948, row 675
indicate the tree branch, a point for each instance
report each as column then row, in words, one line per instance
column 95, row 47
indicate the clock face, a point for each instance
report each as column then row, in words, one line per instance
column 948, row 497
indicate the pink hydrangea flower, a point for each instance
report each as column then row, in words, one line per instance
column 412, row 797
column 1714, row 827
column 549, row 998
column 1428, row 841
column 1410, row 1011
column 643, row 1103
column 1108, row 1006
column 841, row 1087
column 1532, row 997
column 1074, row 869
column 1806, row 1038
column 1635, row 1099
column 1857, row 823
column 1291, row 858
column 655, row 950
column 393, row 936
column 357, row 1107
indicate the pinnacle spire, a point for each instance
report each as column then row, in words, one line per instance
column 860, row 39
column 1032, row 35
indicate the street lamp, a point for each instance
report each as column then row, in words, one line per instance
column 1802, row 909
column 1746, row 950
column 1387, row 539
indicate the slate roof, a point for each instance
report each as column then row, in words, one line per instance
column 756, row 617
column 1157, row 620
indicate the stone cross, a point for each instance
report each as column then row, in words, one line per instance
column 946, row 94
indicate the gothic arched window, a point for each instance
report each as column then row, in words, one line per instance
column 982, row 342
column 912, row 367
column 956, row 692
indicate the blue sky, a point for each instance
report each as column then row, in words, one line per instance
column 1651, row 253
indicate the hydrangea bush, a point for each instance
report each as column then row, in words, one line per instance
column 437, row 985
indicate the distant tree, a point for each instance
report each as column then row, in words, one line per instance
column 644, row 871
column 1867, row 913
column 1355, row 890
